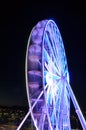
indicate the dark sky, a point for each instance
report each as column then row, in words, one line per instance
column 17, row 20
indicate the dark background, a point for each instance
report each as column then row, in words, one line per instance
column 16, row 21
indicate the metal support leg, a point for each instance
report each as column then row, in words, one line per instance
column 19, row 127
column 77, row 108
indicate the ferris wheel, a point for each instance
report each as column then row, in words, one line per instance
column 47, row 79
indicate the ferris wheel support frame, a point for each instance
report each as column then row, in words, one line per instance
column 75, row 103
column 28, row 113
column 76, row 106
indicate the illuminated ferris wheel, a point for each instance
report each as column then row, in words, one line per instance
column 46, row 72
column 47, row 79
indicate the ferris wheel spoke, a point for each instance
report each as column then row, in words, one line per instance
column 49, row 75
column 52, row 49
column 48, row 59
column 53, row 117
column 47, row 66
column 58, row 100
column 58, row 45
column 54, row 42
column 52, row 91
column 52, row 100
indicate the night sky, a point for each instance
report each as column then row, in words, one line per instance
column 17, row 20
